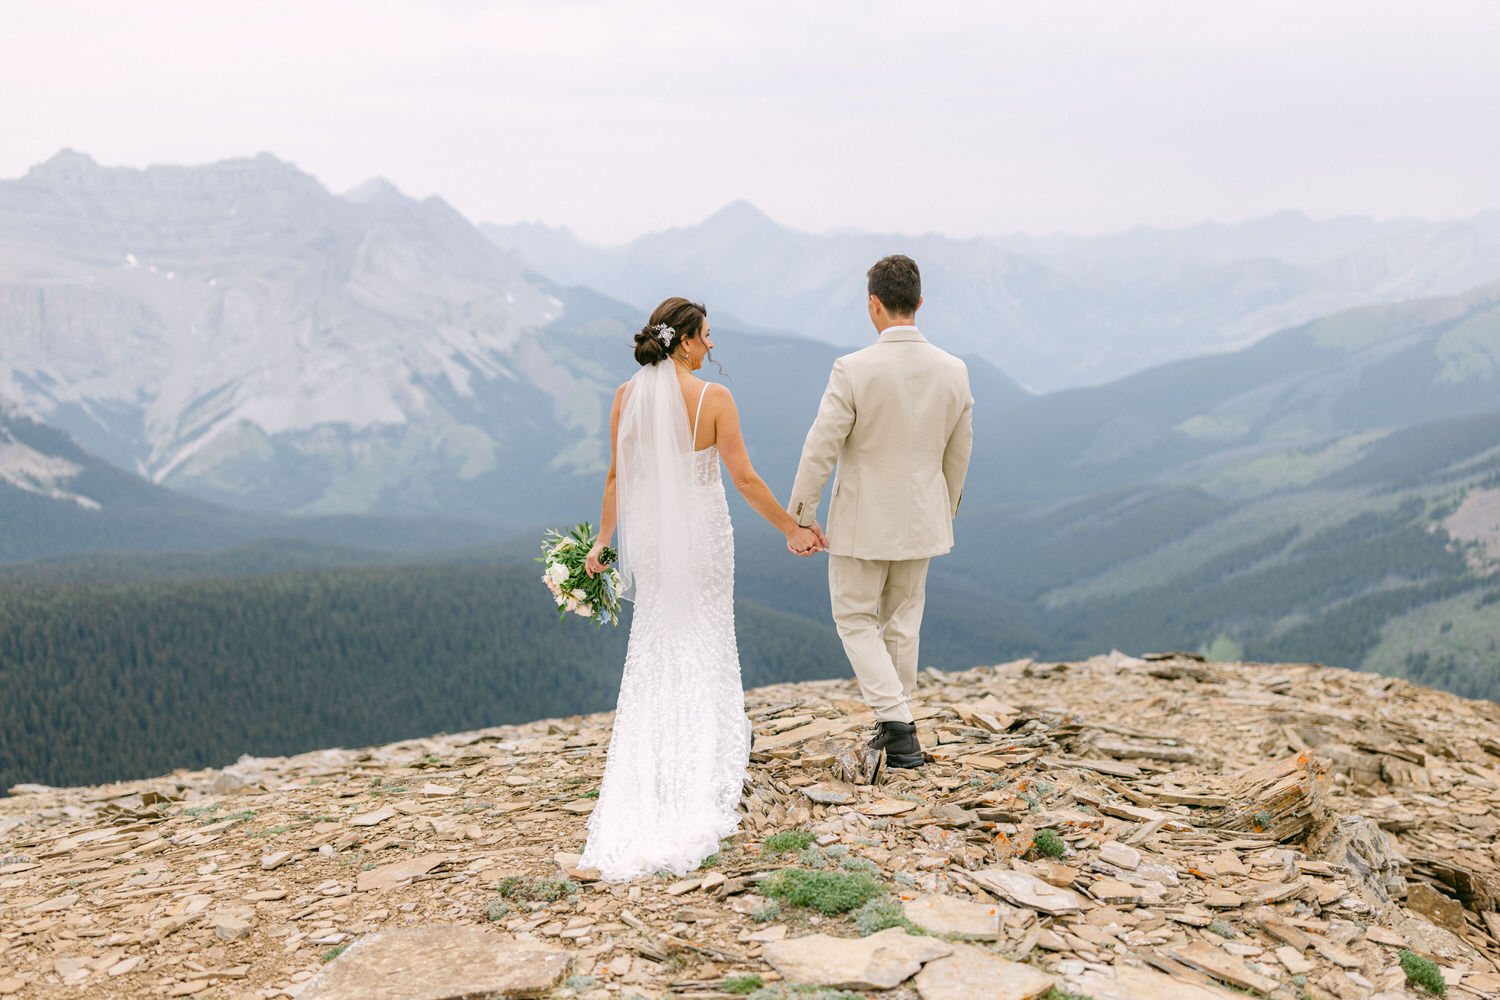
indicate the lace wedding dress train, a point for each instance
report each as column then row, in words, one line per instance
column 680, row 747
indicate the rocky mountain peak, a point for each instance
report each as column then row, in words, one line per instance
column 376, row 190
column 1125, row 828
column 739, row 216
column 65, row 166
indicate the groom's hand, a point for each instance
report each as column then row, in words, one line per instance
column 806, row 541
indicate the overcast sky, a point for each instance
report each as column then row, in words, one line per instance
column 616, row 118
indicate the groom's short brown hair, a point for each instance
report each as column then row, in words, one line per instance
column 897, row 283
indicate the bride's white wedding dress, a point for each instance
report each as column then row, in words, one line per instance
column 680, row 747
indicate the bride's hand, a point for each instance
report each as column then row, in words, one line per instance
column 591, row 563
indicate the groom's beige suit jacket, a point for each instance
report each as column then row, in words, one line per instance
column 896, row 419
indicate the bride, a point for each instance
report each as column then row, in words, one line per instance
column 681, row 742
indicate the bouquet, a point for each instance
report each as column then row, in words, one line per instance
column 572, row 588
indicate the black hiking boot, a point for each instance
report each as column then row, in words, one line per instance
column 899, row 741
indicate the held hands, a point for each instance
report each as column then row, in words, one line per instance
column 806, row 541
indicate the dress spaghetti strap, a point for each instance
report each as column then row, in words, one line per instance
column 698, row 415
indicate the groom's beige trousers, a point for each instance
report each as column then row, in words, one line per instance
column 877, row 609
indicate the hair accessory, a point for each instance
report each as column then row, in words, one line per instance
column 664, row 333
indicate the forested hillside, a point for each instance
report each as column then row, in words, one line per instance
column 112, row 681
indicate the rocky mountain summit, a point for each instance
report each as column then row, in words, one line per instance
column 239, row 332
column 1119, row 828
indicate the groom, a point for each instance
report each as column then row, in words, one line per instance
column 896, row 419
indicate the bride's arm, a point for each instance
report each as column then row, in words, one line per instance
column 608, row 514
column 757, row 494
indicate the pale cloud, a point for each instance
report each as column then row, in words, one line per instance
column 616, row 118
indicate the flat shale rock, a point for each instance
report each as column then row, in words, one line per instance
column 877, row 962
column 971, row 973
column 939, row 914
column 439, row 963
column 1029, row 891
column 1127, row 982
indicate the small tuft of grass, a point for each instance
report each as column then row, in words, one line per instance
column 1048, row 844
column 828, row 892
column 581, row 982
column 270, row 831
column 590, row 795
column 1056, row 994
column 1423, row 972
column 856, row 864
column 1223, row 929
column 332, row 953
column 803, row 991
column 549, row 890
column 786, row 842
column 879, row 914
column 813, row 857
column 767, row 911
column 553, row 889
column 498, row 911
column 743, row 984
column 710, row 861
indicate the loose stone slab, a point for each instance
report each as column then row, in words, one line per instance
column 829, row 794
column 971, row 973
column 1120, row 855
column 392, row 875
column 1029, row 891
column 939, row 914
column 1128, row 982
column 878, row 962
column 373, row 818
column 1205, row 957
column 887, row 807
column 439, row 963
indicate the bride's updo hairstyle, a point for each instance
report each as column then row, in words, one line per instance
column 672, row 322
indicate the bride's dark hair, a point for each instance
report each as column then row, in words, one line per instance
column 684, row 318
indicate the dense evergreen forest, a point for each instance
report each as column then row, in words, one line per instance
column 103, row 682
column 126, row 665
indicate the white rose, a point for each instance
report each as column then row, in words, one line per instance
column 586, row 610
column 558, row 573
column 580, row 596
column 560, row 596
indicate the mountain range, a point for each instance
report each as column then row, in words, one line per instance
column 198, row 358
column 238, row 333
column 1052, row 312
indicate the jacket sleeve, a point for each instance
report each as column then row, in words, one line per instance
column 960, row 445
column 821, row 448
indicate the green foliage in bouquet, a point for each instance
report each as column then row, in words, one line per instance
column 594, row 597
